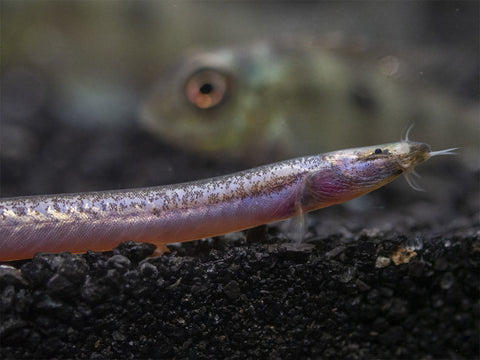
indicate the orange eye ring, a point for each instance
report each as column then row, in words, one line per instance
column 206, row 88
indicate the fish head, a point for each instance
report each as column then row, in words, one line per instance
column 206, row 103
column 354, row 172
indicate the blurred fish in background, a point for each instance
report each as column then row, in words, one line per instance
column 273, row 100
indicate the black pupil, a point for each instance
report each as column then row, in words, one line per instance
column 206, row 88
column 378, row 151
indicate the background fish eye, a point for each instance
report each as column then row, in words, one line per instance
column 206, row 88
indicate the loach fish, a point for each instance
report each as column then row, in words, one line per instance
column 161, row 215
column 273, row 100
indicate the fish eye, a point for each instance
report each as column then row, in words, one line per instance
column 378, row 151
column 206, row 88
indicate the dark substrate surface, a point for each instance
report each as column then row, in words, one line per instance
column 352, row 296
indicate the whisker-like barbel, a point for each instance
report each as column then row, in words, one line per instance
column 443, row 152
column 166, row 214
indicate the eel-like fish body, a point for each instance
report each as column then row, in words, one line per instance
column 166, row 214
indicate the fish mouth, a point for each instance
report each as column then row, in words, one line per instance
column 417, row 153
